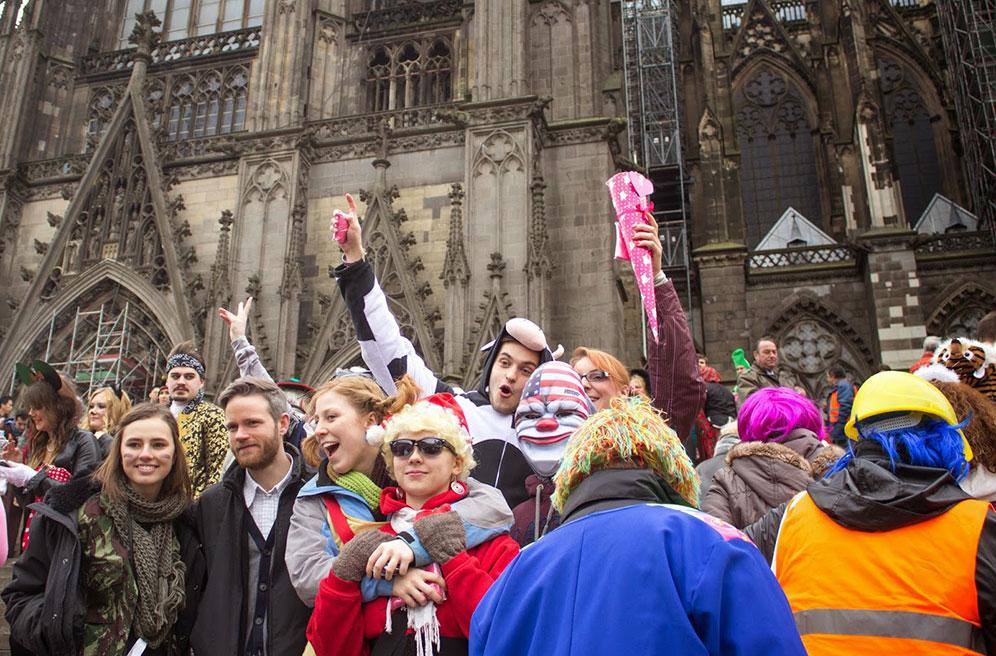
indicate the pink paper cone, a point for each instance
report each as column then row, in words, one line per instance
column 629, row 191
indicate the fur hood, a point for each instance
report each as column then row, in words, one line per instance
column 773, row 450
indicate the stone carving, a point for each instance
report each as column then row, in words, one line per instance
column 455, row 267
column 552, row 12
column 710, row 135
column 328, row 31
column 239, row 43
column 498, row 153
column 59, row 75
column 538, row 260
column 959, row 315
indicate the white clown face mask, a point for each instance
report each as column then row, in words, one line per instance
column 552, row 407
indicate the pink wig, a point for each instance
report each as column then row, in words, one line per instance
column 770, row 414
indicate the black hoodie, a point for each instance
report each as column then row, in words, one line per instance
column 872, row 496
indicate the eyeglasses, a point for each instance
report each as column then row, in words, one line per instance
column 595, row 376
column 427, row 446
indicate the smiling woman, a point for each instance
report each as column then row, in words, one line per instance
column 344, row 498
column 427, row 449
column 124, row 537
column 103, row 414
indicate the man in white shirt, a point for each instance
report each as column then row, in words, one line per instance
column 243, row 523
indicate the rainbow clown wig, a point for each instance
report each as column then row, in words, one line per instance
column 438, row 414
column 630, row 432
column 773, row 413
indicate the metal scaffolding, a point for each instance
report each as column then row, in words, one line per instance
column 653, row 109
column 968, row 31
column 107, row 347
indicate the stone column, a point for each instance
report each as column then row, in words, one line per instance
column 892, row 287
column 280, row 81
column 498, row 49
column 725, row 319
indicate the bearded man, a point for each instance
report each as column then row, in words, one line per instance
column 249, row 605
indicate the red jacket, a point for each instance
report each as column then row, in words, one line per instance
column 342, row 624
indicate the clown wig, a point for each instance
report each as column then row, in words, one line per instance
column 423, row 416
column 629, row 432
column 771, row 414
column 933, row 443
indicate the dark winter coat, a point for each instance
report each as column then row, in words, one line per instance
column 524, row 528
column 222, row 521
column 44, row 601
column 762, row 475
column 79, row 457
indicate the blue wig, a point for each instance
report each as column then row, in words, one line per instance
column 931, row 444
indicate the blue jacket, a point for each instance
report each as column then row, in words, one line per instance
column 641, row 579
column 839, row 402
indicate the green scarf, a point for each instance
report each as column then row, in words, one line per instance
column 359, row 484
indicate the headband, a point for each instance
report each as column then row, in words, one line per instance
column 185, row 360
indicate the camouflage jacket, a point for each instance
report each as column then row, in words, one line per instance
column 107, row 582
column 74, row 582
column 205, row 442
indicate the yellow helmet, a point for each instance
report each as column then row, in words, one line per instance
column 897, row 391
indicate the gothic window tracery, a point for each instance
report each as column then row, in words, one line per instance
column 411, row 74
column 913, row 144
column 188, row 18
column 808, row 348
column 778, row 166
column 103, row 102
column 210, row 103
column 180, row 106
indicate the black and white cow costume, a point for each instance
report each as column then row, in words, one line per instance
column 389, row 355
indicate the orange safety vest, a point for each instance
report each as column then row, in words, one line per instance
column 908, row 591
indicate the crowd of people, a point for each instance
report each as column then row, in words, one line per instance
column 559, row 507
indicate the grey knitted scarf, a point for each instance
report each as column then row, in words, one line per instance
column 155, row 557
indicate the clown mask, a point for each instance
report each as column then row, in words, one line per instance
column 553, row 405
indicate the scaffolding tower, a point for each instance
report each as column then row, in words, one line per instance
column 106, row 349
column 653, row 110
column 968, row 31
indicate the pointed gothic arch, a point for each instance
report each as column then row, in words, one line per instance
column 762, row 35
column 776, row 127
column 120, row 195
column 68, row 332
column 811, row 337
column 958, row 315
column 386, row 246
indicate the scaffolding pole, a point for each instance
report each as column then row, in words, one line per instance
column 968, row 32
column 653, row 110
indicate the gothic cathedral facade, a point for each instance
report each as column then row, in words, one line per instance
column 162, row 158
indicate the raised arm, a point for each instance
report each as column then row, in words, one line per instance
column 245, row 353
column 387, row 353
column 678, row 389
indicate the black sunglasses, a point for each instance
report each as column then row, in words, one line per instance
column 427, row 446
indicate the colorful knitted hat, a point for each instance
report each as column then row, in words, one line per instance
column 630, row 431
